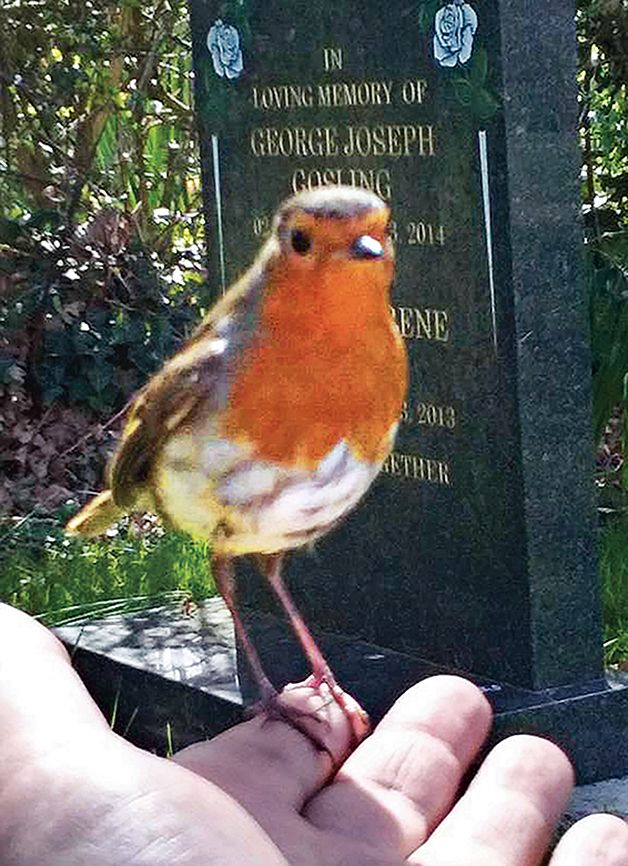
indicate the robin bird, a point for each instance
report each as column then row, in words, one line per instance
column 273, row 420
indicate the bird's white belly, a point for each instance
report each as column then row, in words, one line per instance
column 244, row 505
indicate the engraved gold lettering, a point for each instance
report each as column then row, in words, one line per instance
column 393, row 140
column 387, row 88
column 261, row 225
column 349, row 94
column 413, row 91
column 376, row 180
column 364, row 141
column 422, row 324
column 382, row 92
column 283, row 97
column 405, row 322
column 429, row 415
column 441, row 325
column 426, row 140
column 415, row 467
column 291, row 141
column 421, row 233
column 432, row 470
column 332, row 58
column 418, row 233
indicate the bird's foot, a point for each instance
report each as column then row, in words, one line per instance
column 355, row 715
column 330, row 718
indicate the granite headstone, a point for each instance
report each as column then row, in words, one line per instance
column 475, row 548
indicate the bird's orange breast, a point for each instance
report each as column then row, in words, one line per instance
column 327, row 364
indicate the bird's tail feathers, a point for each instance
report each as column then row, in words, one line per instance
column 95, row 517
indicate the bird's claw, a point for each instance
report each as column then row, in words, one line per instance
column 311, row 708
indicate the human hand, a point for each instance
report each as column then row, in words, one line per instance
column 72, row 793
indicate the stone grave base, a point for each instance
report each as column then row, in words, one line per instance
column 166, row 666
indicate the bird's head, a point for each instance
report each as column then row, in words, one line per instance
column 332, row 249
column 334, row 223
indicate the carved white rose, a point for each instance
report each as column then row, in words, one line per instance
column 223, row 42
column 454, row 29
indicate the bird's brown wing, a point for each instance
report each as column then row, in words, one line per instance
column 195, row 380
column 159, row 408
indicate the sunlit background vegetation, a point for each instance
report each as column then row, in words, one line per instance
column 101, row 276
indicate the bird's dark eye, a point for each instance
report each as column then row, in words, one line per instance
column 300, row 242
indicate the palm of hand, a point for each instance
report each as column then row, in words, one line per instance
column 74, row 794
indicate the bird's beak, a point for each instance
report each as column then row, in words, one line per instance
column 367, row 247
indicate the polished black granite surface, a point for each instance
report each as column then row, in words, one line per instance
column 166, row 667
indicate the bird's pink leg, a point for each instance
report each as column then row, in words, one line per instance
column 321, row 672
column 222, row 570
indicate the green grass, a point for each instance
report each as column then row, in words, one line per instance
column 60, row 579
column 614, row 572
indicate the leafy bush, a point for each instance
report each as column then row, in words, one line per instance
column 603, row 81
column 85, row 319
column 100, row 255
column 96, row 112
column 97, row 319
column 607, row 283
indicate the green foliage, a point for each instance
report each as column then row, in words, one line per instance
column 602, row 27
column 614, row 571
column 603, row 80
column 60, row 579
column 95, row 111
column 472, row 91
column 100, row 255
column 87, row 316
column 97, row 320
column 607, row 282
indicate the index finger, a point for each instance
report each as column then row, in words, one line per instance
column 269, row 753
